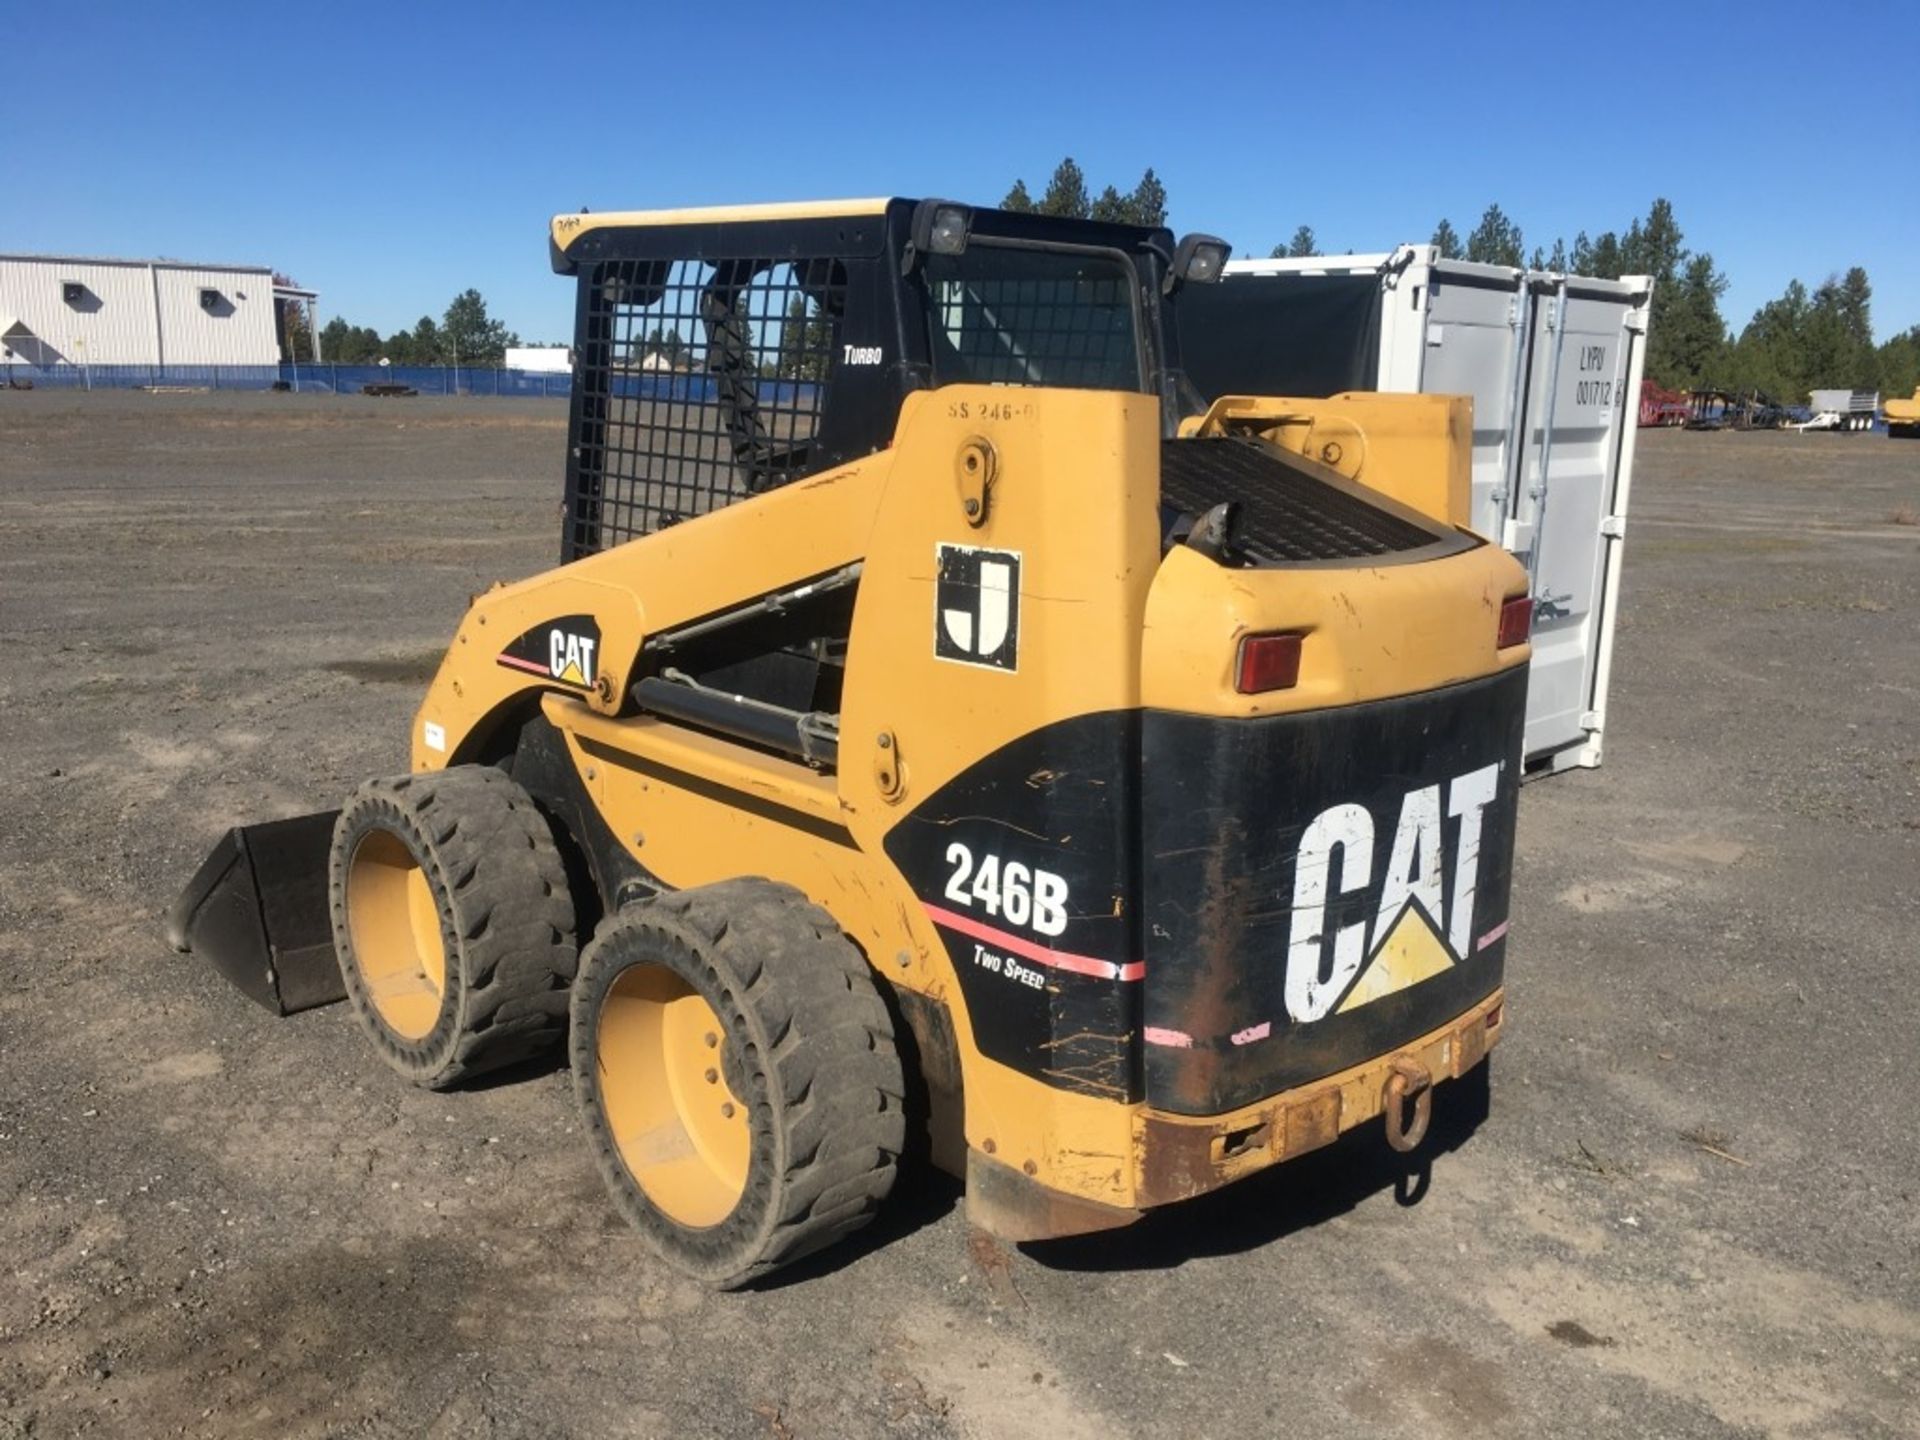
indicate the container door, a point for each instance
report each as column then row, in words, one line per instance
column 1575, row 410
column 1475, row 339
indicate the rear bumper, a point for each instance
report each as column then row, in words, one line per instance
column 1180, row 1156
column 1175, row 1157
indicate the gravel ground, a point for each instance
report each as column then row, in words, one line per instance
column 1690, row 1211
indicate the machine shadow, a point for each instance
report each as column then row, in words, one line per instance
column 1241, row 1217
column 922, row 1196
column 1286, row 1198
column 535, row 1067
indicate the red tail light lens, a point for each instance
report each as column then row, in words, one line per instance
column 1268, row 662
column 1516, row 620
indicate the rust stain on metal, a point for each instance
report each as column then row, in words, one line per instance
column 1213, row 1006
column 1470, row 1046
column 1312, row 1122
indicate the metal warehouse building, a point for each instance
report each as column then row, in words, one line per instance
column 63, row 310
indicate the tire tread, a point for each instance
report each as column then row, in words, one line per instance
column 829, row 1059
column 507, row 915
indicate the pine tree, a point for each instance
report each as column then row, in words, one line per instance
column 1769, row 355
column 805, row 351
column 1302, row 246
column 296, row 331
column 1446, row 240
column 1820, row 340
column 1598, row 258
column 1855, row 301
column 1656, row 248
column 472, row 336
column 1688, row 346
column 345, row 344
column 792, row 356
column 1840, row 351
column 1899, row 361
column 420, row 346
column 1495, row 240
column 293, row 322
column 1066, row 196
column 1112, row 208
column 819, row 345
column 1066, row 192
column 1149, row 200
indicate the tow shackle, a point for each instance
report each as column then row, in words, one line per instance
column 1407, row 1081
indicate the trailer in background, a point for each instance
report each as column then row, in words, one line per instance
column 1710, row 409
column 1554, row 365
column 1854, row 410
column 1660, row 407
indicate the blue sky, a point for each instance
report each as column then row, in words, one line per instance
column 392, row 155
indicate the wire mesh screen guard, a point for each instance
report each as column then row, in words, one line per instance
column 1023, row 317
column 703, row 381
column 1286, row 514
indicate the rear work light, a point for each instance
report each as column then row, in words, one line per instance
column 1516, row 620
column 1267, row 662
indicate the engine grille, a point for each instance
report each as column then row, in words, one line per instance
column 1287, row 514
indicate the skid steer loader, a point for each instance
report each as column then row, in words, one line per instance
column 937, row 717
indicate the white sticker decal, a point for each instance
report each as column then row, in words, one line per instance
column 977, row 606
column 435, row 736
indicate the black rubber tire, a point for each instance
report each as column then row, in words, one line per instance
column 506, row 919
column 811, row 1053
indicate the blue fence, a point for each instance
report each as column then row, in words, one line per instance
column 319, row 379
column 692, row 388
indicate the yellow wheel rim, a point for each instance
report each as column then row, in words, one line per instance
column 677, row 1124
column 395, row 926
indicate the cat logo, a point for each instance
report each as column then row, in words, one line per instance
column 564, row 651
column 570, row 658
column 976, row 606
column 1398, row 929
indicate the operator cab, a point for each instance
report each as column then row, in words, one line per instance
column 724, row 352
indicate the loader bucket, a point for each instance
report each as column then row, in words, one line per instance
column 258, row 910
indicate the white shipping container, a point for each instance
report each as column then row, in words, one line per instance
column 1553, row 363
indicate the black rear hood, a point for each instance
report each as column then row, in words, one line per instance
column 1423, row 785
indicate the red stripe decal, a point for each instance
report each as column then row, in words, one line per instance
column 1252, row 1033
column 1178, row 1039
column 1492, row 935
column 1040, row 954
column 528, row 665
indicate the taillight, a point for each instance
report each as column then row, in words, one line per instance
column 1516, row 620
column 1267, row 662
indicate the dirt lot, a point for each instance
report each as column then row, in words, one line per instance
column 1691, row 1211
